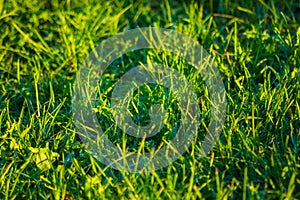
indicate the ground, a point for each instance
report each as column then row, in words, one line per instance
column 254, row 44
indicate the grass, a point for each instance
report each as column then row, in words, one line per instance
column 255, row 45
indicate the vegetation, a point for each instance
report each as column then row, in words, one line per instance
column 254, row 44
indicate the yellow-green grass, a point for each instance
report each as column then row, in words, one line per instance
column 254, row 44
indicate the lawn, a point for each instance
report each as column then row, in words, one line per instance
column 255, row 46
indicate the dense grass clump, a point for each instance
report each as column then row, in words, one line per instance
column 254, row 44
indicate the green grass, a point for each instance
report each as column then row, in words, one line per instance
column 256, row 47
